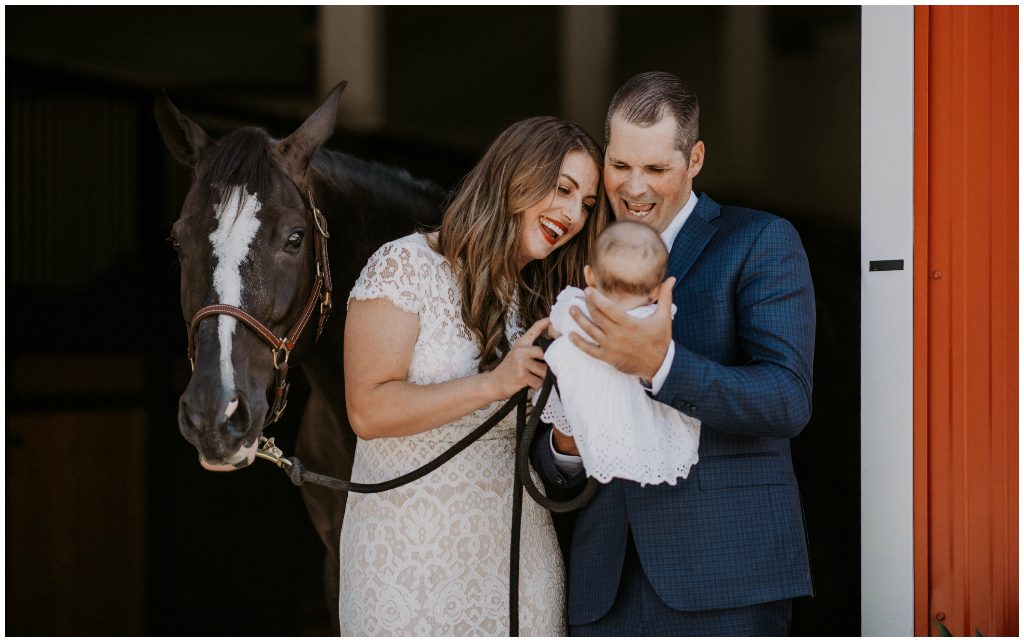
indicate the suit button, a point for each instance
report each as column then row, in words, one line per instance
column 680, row 405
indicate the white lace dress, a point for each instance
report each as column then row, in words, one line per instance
column 432, row 557
column 619, row 430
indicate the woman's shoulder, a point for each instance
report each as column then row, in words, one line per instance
column 415, row 245
column 402, row 271
column 409, row 254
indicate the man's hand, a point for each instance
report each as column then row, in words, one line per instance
column 634, row 346
column 563, row 443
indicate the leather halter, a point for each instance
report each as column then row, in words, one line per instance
column 321, row 292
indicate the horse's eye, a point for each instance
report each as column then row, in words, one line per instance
column 294, row 239
column 174, row 243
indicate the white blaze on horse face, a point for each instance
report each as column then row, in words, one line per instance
column 236, row 228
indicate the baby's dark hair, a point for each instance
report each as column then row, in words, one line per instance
column 629, row 258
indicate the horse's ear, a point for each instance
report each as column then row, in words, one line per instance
column 182, row 135
column 297, row 150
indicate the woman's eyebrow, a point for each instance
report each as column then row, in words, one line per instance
column 572, row 179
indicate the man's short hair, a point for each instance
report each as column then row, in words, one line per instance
column 638, row 254
column 646, row 98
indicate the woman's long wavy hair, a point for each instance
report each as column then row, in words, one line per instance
column 479, row 232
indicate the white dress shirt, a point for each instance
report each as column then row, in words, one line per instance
column 570, row 464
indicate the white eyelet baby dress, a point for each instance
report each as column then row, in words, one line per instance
column 619, row 430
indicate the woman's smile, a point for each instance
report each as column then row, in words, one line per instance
column 556, row 218
column 552, row 229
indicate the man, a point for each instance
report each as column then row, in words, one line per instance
column 722, row 552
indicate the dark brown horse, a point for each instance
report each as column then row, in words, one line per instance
column 246, row 239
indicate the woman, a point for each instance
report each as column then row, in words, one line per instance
column 434, row 343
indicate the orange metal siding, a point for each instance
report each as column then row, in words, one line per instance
column 965, row 320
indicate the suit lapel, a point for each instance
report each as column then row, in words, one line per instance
column 693, row 238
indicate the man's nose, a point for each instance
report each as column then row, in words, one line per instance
column 635, row 186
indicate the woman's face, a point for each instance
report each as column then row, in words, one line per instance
column 556, row 218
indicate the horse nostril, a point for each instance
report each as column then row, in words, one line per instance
column 237, row 420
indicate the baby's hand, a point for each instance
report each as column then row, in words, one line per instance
column 563, row 443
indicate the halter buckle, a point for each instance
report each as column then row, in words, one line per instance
column 325, row 303
column 287, row 353
column 282, row 404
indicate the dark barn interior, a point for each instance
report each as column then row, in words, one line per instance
column 112, row 526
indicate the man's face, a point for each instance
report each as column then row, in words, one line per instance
column 647, row 179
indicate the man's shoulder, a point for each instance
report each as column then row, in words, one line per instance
column 740, row 216
column 740, row 219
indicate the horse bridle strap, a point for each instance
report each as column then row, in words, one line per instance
column 321, row 294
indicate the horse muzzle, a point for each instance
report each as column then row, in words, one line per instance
column 222, row 426
column 240, row 459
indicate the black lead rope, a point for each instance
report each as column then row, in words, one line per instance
column 526, row 428
column 523, row 460
column 298, row 473
column 517, row 521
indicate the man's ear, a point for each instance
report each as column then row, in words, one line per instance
column 696, row 159
column 588, row 276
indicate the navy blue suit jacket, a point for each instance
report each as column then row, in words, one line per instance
column 732, row 533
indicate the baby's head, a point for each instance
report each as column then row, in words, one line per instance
column 628, row 264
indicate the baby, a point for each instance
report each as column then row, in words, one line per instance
column 619, row 430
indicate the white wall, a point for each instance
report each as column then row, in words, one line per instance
column 887, row 339
column 586, row 50
column 351, row 48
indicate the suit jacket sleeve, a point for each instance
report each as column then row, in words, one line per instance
column 768, row 393
column 544, row 462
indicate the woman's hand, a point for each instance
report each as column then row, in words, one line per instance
column 523, row 366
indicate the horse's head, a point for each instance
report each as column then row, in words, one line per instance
column 245, row 238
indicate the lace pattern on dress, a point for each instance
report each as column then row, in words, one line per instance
column 431, row 557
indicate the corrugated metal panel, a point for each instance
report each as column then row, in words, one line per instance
column 966, row 323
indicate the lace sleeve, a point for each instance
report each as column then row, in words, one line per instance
column 553, row 413
column 393, row 273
